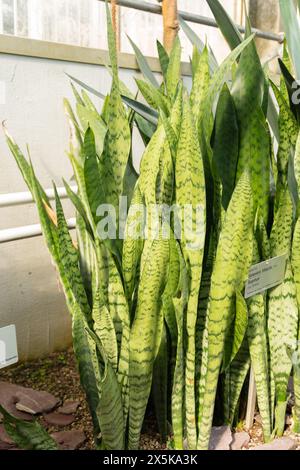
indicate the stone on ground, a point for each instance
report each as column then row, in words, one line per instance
column 282, row 443
column 23, row 402
column 58, row 419
column 240, row 440
column 69, row 407
column 69, row 440
column 221, row 438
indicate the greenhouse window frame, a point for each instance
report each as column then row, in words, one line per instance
column 15, row 45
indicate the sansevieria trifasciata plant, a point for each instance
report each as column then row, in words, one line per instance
column 155, row 277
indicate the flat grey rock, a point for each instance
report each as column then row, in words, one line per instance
column 58, row 419
column 220, row 438
column 34, row 402
column 23, row 402
column 282, row 443
column 69, row 407
column 8, row 401
column 69, row 440
column 240, row 440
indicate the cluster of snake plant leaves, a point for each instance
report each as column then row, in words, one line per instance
column 156, row 319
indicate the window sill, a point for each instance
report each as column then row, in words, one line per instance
column 85, row 55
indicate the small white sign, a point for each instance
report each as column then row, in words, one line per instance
column 8, row 346
column 265, row 275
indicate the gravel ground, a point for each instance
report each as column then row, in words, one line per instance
column 57, row 374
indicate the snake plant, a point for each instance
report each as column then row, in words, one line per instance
column 157, row 302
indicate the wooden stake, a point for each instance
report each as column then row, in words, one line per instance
column 251, row 401
column 115, row 16
column 171, row 24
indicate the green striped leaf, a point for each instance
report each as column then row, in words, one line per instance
column 233, row 259
column 73, row 123
column 226, row 144
column 112, row 46
column 92, row 119
column 93, row 184
column 87, row 361
column 196, row 41
column 84, row 351
column 23, row 165
column 234, row 381
column 174, row 69
column 160, row 385
column 86, row 256
column 292, row 30
column 292, row 88
column 143, row 65
column 254, row 155
column 163, row 58
column 190, row 192
column 259, row 353
column 103, row 327
column 110, row 412
column 216, row 85
column 79, row 207
column 288, row 131
column 239, row 327
column 282, row 305
column 116, row 149
column 133, row 243
column 296, row 273
column 27, row 435
column 69, row 258
column 225, row 23
column 178, row 390
column 149, row 168
column 153, row 96
column 201, row 81
column 143, row 334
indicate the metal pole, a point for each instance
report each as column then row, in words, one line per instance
column 193, row 18
column 28, row 231
column 17, row 199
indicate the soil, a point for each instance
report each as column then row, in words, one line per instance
column 57, row 374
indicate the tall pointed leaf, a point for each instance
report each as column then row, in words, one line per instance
column 143, row 335
column 226, row 25
column 143, row 65
column 190, row 192
column 233, row 259
column 27, row 435
column 292, row 29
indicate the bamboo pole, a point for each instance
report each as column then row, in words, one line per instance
column 170, row 21
column 115, row 15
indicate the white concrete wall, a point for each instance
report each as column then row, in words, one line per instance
column 33, row 110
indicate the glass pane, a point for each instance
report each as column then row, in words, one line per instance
column 207, row 33
column 62, row 33
column 22, row 17
column 8, row 16
column 72, row 22
column 143, row 28
column 48, row 21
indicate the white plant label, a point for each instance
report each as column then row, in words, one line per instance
column 265, row 275
column 8, row 346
